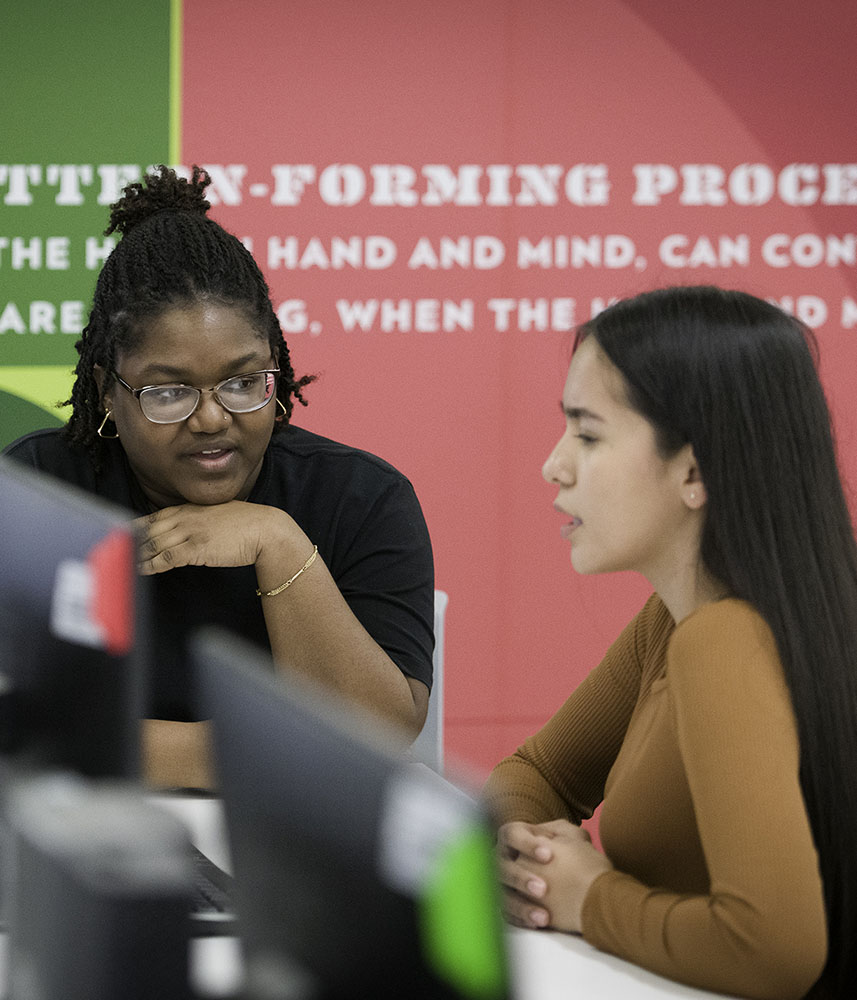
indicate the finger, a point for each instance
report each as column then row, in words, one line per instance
column 150, row 522
column 562, row 828
column 168, row 518
column 161, row 562
column 165, row 548
column 175, row 546
column 520, row 877
column 152, row 538
column 148, row 548
column 521, row 838
column 522, row 913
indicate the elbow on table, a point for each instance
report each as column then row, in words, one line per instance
column 791, row 976
column 788, row 964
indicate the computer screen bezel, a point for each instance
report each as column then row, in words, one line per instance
column 74, row 679
column 333, row 901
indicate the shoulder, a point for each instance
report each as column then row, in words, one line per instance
column 727, row 648
column 46, row 449
column 649, row 631
column 333, row 488
column 653, row 623
column 32, row 441
column 50, row 451
column 637, row 655
column 723, row 628
column 303, row 445
column 304, row 458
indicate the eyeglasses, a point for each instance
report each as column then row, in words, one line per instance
column 170, row 404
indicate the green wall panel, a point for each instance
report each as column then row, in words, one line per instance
column 86, row 90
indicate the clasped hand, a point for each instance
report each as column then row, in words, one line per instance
column 546, row 870
column 228, row 534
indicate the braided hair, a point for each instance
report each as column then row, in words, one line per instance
column 170, row 255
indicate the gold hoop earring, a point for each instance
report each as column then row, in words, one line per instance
column 107, row 437
column 284, row 414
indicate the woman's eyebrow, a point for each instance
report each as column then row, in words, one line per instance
column 578, row 412
column 161, row 371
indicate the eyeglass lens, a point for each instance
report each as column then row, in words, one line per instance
column 169, row 404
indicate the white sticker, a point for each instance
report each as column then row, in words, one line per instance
column 71, row 606
column 423, row 812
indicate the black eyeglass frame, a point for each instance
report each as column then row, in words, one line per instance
column 136, row 393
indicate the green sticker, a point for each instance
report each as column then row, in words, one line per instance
column 461, row 921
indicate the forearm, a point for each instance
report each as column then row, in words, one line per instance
column 177, row 754
column 560, row 771
column 517, row 790
column 720, row 941
column 311, row 629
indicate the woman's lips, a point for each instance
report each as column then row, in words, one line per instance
column 213, row 459
column 567, row 529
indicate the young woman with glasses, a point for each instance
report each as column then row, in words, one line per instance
column 182, row 410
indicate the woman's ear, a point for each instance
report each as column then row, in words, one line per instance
column 693, row 491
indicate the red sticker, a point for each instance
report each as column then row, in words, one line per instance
column 112, row 609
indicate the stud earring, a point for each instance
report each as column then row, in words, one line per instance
column 100, row 432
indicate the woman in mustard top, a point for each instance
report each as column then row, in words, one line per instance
column 719, row 733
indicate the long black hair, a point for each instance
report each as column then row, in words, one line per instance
column 736, row 378
column 170, row 255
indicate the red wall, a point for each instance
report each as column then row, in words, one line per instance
column 469, row 413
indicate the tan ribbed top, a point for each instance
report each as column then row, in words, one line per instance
column 688, row 735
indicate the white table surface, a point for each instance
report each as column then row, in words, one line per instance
column 546, row 965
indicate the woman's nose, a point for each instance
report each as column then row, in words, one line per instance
column 557, row 468
column 210, row 415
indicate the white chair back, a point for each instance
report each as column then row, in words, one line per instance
column 428, row 746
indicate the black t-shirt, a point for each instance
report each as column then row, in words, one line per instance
column 361, row 512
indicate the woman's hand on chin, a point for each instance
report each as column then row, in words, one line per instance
column 228, row 534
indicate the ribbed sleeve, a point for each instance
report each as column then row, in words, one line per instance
column 758, row 927
column 560, row 772
column 716, row 882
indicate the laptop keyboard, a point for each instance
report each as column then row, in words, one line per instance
column 212, row 907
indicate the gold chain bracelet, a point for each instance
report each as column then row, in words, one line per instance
column 291, row 580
